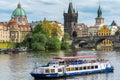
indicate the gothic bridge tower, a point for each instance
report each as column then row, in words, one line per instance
column 70, row 20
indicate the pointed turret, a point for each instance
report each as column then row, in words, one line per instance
column 99, row 12
column 71, row 9
column 113, row 23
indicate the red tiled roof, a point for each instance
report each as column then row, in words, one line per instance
column 12, row 22
column 93, row 27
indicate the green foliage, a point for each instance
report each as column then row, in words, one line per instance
column 53, row 43
column 38, row 46
column 45, row 37
column 39, row 41
column 64, row 45
column 66, row 37
column 38, row 28
column 40, row 38
column 117, row 32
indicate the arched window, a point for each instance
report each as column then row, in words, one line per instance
column 19, row 20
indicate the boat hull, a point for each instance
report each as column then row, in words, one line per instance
column 56, row 75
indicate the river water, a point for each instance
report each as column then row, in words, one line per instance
column 19, row 66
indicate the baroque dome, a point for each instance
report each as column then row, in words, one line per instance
column 19, row 11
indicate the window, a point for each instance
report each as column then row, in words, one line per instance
column 80, row 68
column 76, row 68
column 72, row 69
column 68, row 69
column 88, row 67
column 52, row 70
column 92, row 67
column 84, row 67
column 96, row 66
column 19, row 20
column 59, row 70
column 47, row 71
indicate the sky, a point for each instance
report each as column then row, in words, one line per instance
column 37, row 10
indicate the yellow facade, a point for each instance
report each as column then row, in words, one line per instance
column 106, row 43
column 104, row 31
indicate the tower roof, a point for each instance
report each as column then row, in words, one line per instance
column 99, row 12
column 113, row 23
column 71, row 9
column 19, row 11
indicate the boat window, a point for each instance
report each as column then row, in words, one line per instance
column 59, row 70
column 72, row 69
column 68, row 69
column 76, row 68
column 52, row 70
column 80, row 68
column 92, row 67
column 47, row 71
column 88, row 67
column 96, row 66
column 84, row 67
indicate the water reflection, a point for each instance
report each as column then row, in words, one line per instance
column 19, row 66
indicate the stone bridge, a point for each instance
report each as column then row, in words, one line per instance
column 93, row 41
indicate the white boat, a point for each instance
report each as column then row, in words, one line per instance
column 70, row 66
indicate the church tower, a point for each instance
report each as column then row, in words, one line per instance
column 99, row 19
column 70, row 20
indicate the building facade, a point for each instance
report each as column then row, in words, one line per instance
column 4, row 32
column 104, row 31
column 93, row 31
column 70, row 20
column 17, row 27
column 114, row 27
column 82, row 30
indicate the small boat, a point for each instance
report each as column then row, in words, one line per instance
column 70, row 66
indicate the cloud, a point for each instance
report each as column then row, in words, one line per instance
column 53, row 9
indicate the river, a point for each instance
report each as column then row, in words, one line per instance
column 19, row 66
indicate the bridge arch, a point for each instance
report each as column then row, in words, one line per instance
column 104, row 43
column 82, row 43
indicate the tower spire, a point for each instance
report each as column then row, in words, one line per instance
column 70, row 9
column 99, row 12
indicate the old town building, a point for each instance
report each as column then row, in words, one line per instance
column 17, row 28
column 104, row 31
column 82, row 30
column 93, row 31
column 114, row 27
column 4, row 32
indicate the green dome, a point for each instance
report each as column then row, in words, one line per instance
column 18, row 11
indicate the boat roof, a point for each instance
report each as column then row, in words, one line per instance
column 74, row 57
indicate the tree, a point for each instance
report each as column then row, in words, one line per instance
column 53, row 43
column 117, row 32
column 66, row 37
column 39, row 41
column 47, row 27
column 56, row 30
column 38, row 46
column 38, row 28
column 65, row 44
column 40, row 38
